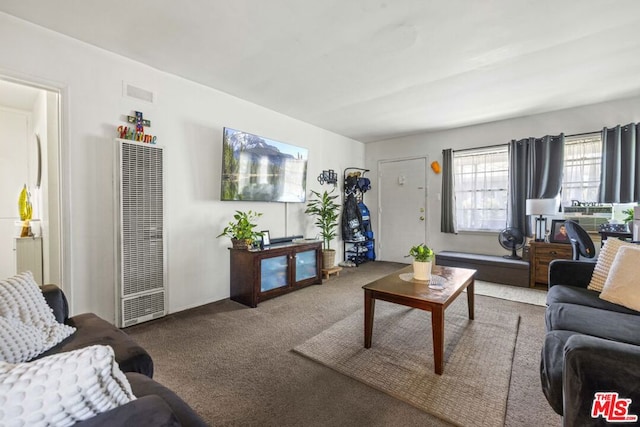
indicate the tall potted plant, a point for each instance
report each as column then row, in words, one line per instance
column 242, row 229
column 422, row 258
column 326, row 211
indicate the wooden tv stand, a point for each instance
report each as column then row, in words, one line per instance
column 261, row 274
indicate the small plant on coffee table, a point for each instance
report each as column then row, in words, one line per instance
column 421, row 253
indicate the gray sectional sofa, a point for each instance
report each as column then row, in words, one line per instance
column 591, row 346
column 155, row 405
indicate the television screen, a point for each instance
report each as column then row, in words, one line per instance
column 260, row 169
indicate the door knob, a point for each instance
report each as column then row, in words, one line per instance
column 421, row 218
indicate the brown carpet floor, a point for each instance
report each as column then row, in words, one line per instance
column 235, row 367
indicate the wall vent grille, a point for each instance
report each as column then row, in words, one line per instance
column 141, row 235
column 132, row 91
column 142, row 308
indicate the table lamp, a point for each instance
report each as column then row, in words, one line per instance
column 541, row 207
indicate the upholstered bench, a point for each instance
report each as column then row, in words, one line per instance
column 490, row 268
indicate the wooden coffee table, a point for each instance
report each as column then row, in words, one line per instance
column 417, row 294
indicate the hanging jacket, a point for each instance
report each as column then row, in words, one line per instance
column 351, row 219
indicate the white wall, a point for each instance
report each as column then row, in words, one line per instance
column 38, row 126
column 14, row 173
column 188, row 120
column 590, row 118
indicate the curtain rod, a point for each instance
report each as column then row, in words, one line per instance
column 481, row 148
column 584, row 133
column 506, row 143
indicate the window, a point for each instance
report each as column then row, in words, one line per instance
column 581, row 179
column 582, row 154
column 481, row 182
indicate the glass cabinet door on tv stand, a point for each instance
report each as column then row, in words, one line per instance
column 274, row 272
column 306, row 265
column 258, row 275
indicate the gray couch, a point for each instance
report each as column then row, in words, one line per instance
column 591, row 345
column 155, row 405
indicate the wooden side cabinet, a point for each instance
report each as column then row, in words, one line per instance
column 540, row 255
column 258, row 275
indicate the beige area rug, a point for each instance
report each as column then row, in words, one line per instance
column 511, row 293
column 474, row 387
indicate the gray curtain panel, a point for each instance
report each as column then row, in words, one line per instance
column 448, row 207
column 620, row 168
column 535, row 172
column 518, row 185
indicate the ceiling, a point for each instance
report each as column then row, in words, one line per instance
column 374, row 69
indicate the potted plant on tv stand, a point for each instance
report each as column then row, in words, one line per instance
column 422, row 259
column 326, row 211
column 242, row 229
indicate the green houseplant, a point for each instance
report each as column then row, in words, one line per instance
column 421, row 253
column 422, row 258
column 629, row 215
column 241, row 230
column 326, row 211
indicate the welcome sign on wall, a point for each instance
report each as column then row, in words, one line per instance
column 136, row 133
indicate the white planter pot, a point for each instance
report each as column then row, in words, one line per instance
column 422, row 270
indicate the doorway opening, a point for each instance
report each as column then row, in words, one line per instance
column 30, row 159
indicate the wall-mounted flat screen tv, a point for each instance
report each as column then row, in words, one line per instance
column 261, row 169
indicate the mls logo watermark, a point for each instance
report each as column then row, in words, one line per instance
column 612, row 408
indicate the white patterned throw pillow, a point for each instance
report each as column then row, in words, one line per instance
column 27, row 324
column 19, row 342
column 603, row 264
column 62, row 389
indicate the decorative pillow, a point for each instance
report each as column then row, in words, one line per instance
column 623, row 286
column 62, row 389
column 603, row 264
column 28, row 324
column 19, row 342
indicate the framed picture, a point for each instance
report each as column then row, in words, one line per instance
column 266, row 239
column 558, row 232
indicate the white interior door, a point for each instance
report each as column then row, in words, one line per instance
column 402, row 202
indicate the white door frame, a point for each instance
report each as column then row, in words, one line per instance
column 64, row 210
column 426, row 194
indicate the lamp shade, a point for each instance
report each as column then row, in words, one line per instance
column 541, row 207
